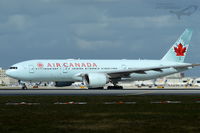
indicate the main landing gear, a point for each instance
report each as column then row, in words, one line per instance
column 98, row 88
column 115, row 87
column 108, row 88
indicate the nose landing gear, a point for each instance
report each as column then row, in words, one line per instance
column 24, row 87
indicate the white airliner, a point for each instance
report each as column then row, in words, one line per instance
column 97, row 73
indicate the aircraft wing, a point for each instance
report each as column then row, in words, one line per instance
column 125, row 73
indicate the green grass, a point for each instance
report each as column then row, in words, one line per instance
column 97, row 117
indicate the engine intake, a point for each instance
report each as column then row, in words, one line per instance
column 94, row 80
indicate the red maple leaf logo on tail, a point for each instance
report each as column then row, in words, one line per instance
column 180, row 50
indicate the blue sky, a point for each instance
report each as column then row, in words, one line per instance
column 94, row 29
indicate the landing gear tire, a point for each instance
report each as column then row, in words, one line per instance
column 24, row 87
column 115, row 87
column 97, row 88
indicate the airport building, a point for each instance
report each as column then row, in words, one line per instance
column 5, row 80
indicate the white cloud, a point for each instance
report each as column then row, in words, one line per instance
column 95, row 44
column 79, row 1
column 105, row 0
column 51, row 0
column 18, row 21
column 15, row 22
column 89, row 28
column 144, row 21
column 102, row 33
column 107, row 26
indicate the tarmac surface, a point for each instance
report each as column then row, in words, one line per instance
column 84, row 92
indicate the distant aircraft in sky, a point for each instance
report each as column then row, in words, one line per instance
column 97, row 73
column 185, row 12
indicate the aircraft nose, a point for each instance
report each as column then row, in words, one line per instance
column 9, row 73
column 12, row 74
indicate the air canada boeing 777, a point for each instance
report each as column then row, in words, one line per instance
column 97, row 73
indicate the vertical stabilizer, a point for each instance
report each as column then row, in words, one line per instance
column 179, row 50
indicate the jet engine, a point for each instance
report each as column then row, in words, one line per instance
column 95, row 80
column 63, row 83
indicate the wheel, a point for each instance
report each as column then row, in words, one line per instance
column 115, row 87
column 109, row 87
column 119, row 87
column 97, row 88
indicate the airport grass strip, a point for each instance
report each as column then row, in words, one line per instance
column 142, row 117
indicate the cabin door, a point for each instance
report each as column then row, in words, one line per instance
column 31, row 69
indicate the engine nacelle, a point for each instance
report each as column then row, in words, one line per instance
column 63, row 83
column 94, row 80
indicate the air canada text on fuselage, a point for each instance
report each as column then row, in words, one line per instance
column 76, row 64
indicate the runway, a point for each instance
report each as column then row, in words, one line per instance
column 73, row 92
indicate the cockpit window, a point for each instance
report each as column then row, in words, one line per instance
column 13, row 67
